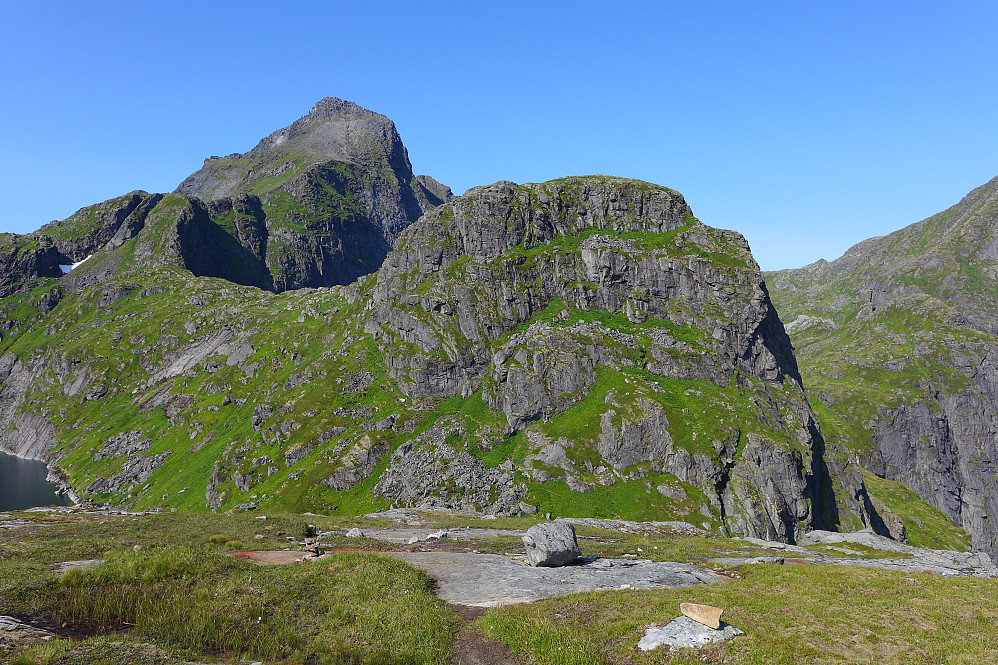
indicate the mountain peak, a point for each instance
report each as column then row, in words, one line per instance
column 329, row 108
column 334, row 130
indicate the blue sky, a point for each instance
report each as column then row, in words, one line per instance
column 807, row 126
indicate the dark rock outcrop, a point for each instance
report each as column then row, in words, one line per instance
column 314, row 204
column 449, row 302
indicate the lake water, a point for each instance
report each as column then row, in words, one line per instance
column 22, row 485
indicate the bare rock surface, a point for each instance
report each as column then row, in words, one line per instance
column 63, row 566
column 13, row 633
column 910, row 559
column 648, row 528
column 926, row 564
column 684, row 632
column 867, row 538
column 488, row 580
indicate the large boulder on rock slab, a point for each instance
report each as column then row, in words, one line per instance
column 551, row 545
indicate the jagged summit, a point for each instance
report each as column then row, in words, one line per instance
column 334, row 130
column 317, row 203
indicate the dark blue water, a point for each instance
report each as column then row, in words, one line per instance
column 22, row 485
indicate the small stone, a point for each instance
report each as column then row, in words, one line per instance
column 414, row 540
column 355, row 533
column 766, row 559
column 708, row 615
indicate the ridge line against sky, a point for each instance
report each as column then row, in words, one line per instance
column 808, row 127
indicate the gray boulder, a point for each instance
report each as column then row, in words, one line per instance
column 551, row 545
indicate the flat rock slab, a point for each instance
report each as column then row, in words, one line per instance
column 684, row 632
column 919, row 565
column 272, row 557
column 63, row 566
column 488, row 580
column 402, row 535
column 922, row 562
column 14, row 634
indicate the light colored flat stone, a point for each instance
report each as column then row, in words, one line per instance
column 63, row 566
column 684, row 632
column 489, row 580
column 708, row 615
column 401, row 535
column 272, row 557
column 14, row 634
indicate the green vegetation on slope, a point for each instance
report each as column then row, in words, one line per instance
column 925, row 525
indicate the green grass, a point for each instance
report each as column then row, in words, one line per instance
column 166, row 583
column 925, row 525
column 168, row 593
column 628, row 500
column 791, row 614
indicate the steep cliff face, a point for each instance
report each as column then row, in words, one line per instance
column 583, row 346
column 897, row 341
column 604, row 301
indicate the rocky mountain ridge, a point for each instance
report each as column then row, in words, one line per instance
column 897, row 344
column 317, row 203
column 583, row 346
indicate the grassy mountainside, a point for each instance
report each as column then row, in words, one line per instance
column 897, row 345
column 584, row 347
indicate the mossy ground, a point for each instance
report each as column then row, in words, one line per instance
column 168, row 594
column 790, row 614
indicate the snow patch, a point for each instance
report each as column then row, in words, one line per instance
column 66, row 268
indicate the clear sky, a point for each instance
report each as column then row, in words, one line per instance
column 807, row 126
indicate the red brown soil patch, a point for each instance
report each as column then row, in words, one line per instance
column 472, row 648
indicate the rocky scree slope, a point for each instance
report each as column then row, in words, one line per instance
column 897, row 341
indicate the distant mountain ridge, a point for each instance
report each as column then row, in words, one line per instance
column 897, row 343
